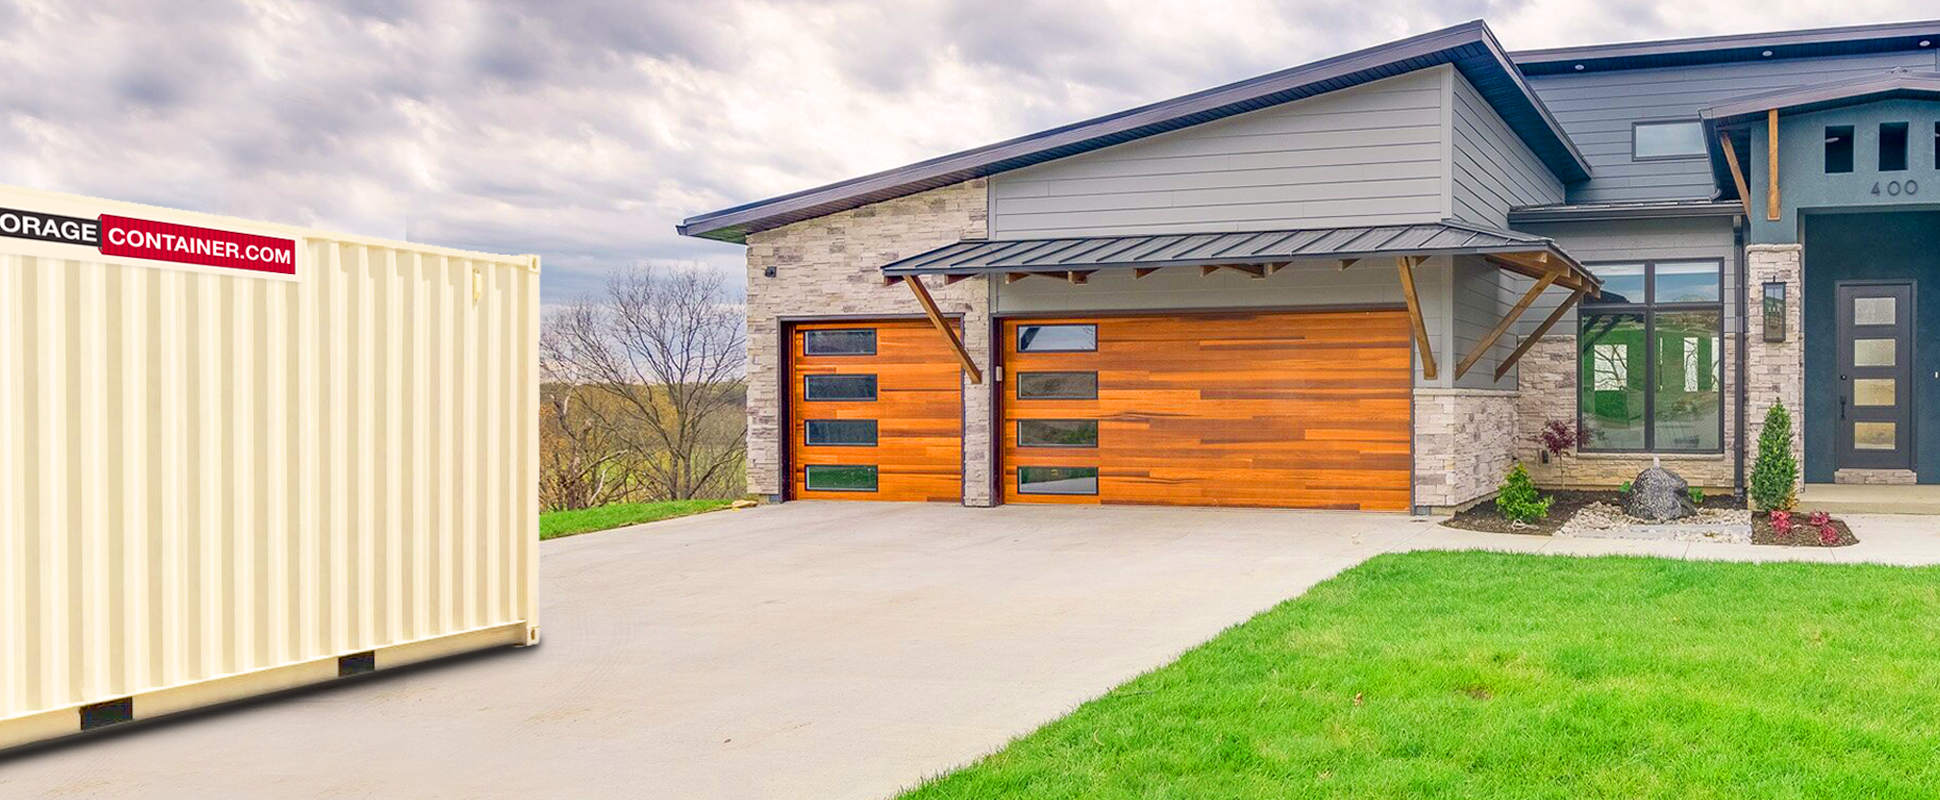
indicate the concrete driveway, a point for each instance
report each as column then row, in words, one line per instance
column 824, row 650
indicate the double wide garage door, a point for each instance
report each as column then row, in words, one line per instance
column 1302, row 410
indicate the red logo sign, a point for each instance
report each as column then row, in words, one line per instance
column 188, row 244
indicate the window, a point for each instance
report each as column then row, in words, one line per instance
column 1838, row 149
column 1650, row 359
column 1057, row 433
column 1057, row 338
column 1677, row 139
column 839, row 342
column 1057, row 385
column 839, row 478
column 840, row 432
column 838, row 387
column 1892, row 146
column 1057, row 480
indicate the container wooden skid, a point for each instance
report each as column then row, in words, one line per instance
column 219, row 485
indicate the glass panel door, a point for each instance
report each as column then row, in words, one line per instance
column 1874, row 379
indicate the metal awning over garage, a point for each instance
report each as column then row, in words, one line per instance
column 1262, row 253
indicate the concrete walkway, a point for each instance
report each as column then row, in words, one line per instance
column 826, row 650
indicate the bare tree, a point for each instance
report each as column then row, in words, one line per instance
column 583, row 464
column 659, row 359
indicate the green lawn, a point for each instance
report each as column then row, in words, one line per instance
column 554, row 524
column 1476, row 675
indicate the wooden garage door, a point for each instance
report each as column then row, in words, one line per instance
column 876, row 412
column 1301, row 410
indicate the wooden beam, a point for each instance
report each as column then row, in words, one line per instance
column 1407, row 266
column 1078, row 276
column 1272, row 268
column 943, row 326
column 1013, row 277
column 1737, row 171
column 1141, row 272
column 949, row 279
column 1510, row 362
column 1208, row 269
column 1771, row 165
column 1501, row 327
column 1255, row 270
column 1348, row 262
column 891, row 280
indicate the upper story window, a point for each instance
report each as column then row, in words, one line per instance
column 1673, row 139
column 1838, row 149
column 1892, row 146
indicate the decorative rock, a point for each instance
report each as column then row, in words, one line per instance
column 1658, row 495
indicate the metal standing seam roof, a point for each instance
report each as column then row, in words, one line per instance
column 1470, row 47
column 1076, row 253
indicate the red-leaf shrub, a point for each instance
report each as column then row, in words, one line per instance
column 1782, row 522
column 1558, row 437
column 1818, row 519
column 1828, row 535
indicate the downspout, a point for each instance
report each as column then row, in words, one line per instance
column 1738, row 223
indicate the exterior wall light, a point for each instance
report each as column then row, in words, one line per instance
column 1774, row 309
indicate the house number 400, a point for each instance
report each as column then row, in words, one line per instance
column 1897, row 188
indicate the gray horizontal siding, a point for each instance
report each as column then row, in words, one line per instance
column 1300, row 284
column 1632, row 240
column 1368, row 155
column 1597, row 110
column 1476, row 305
column 1493, row 170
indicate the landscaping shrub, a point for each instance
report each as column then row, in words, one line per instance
column 1697, row 496
column 1775, row 473
column 1517, row 499
column 1558, row 437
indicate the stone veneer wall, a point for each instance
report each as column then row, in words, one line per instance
column 1464, row 444
column 831, row 266
column 1776, row 370
column 1548, row 383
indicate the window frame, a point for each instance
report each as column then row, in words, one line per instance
column 1017, row 384
column 1097, row 478
column 1018, row 335
column 1022, row 445
column 1649, row 309
column 1703, row 153
column 875, row 386
column 875, row 472
column 875, row 434
column 809, row 333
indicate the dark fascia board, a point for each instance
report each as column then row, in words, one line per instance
column 1813, row 43
column 1596, row 212
column 1470, row 46
column 1805, row 99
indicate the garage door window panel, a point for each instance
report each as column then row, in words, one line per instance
column 1057, row 338
column 1057, row 386
column 1057, row 433
column 840, row 432
column 839, row 478
column 823, row 388
column 1057, row 480
column 839, row 342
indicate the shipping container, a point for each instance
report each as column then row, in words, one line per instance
column 238, row 457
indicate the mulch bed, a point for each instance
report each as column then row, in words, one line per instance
column 1802, row 535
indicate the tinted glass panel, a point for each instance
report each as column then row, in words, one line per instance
column 1689, row 351
column 1874, row 353
column 1874, row 310
column 1622, row 283
column 1669, row 139
column 1874, row 435
column 841, row 432
column 1057, row 338
column 1687, row 282
column 1892, row 146
column 1611, row 379
column 845, row 342
column 1057, row 480
column 1057, row 433
column 842, row 478
column 1873, row 392
column 839, row 387
column 1838, row 148
column 1057, row 385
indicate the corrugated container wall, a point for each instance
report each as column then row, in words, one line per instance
column 218, row 484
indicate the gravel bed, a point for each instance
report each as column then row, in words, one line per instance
column 1605, row 521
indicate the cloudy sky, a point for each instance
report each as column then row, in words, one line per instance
column 583, row 130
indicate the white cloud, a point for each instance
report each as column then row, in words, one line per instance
column 583, row 130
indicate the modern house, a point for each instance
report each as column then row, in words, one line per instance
column 1369, row 282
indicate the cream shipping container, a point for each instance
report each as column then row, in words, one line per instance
column 238, row 457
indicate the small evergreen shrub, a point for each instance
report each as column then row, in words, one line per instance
column 1775, row 473
column 1697, row 496
column 1624, row 489
column 1517, row 499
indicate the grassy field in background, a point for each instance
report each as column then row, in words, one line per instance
column 554, row 524
column 1482, row 675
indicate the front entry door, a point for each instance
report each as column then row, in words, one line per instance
column 1875, row 375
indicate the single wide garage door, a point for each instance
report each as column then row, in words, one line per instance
column 1299, row 410
column 876, row 412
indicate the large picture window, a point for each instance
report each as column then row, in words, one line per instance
column 1650, row 359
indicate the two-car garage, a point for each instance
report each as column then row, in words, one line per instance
column 1307, row 409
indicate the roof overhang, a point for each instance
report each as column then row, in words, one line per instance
column 1470, row 47
column 1074, row 257
column 1814, row 43
column 1730, row 118
column 1598, row 212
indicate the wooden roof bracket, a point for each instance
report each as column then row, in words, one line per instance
column 1737, row 171
column 1501, row 327
column 1537, row 334
column 1771, row 165
column 943, row 327
column 1407, row 267
column 1143, row 271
